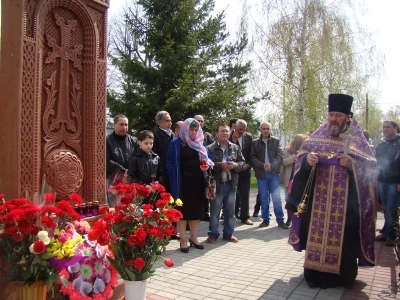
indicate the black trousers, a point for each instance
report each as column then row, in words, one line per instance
column 244, row 194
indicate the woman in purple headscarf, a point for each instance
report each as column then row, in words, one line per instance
column 187, row 162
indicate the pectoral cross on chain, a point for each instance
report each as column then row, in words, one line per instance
column 66, row 53
column 348, row 137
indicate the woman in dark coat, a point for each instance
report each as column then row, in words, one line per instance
column 186, row 163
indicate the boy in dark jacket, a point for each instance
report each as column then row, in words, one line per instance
column 144, row 165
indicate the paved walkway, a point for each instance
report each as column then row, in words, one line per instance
column 261, row 266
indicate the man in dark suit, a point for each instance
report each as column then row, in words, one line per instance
column 163, row 135
column 243, row 139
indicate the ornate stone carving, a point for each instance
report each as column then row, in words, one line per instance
column 64, row 172
column 63, row 94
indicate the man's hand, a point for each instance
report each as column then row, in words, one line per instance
column 245, row 167
column 345, row 161
column 227, row 165
column 267, row 167
column 312, row 159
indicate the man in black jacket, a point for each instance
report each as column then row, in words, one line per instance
column 243, row 139
column 388, row 162
column 163, row 135
column 266, row 160
column 119, row 148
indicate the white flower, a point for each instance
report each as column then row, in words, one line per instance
column 44, row 237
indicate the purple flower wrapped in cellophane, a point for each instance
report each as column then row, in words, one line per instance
column 64, row 263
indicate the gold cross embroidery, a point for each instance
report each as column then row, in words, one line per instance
column 339, row 189
column 316, row 236
column 319, row 212
column 334, row 240
column 322, row 187
column 337, row 214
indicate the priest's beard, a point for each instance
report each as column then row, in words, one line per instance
column 336, row 130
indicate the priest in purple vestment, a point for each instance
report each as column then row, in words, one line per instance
column 333, row 199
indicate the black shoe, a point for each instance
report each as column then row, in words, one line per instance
column 184, row 250
column 175, row 237
column 288, row 223
column 264, row 224
column 197, row 246
column 255, row 214
column 283, row 225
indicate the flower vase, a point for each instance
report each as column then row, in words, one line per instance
column 135, row 290
column 35, row 291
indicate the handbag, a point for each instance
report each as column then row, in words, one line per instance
column 291, row 181
column 210, row 186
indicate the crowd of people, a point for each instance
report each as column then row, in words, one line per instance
column 333, row 182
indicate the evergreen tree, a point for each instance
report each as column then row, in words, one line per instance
column 175, row 56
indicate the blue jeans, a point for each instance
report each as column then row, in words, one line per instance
column 390, row 198
column 266, row 186
column 226, row 195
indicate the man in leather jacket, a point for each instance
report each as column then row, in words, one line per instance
column 266, row 160
column 119, row 148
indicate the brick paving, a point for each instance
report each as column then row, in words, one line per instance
column 261, row 266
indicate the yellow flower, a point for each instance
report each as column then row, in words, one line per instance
column 178, row 202
column 171, row 200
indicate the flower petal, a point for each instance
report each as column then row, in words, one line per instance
column 107, row 276
column 77, row 283
column 74, row 268
column 98, row 286
column 86, row 288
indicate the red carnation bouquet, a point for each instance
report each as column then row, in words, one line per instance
column 138, row 230
column 28, row 233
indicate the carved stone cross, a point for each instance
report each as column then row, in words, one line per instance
column 66, row 53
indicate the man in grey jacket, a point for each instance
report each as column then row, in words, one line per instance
column 229, row 161
column 266, row 159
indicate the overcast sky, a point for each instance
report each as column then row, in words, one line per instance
column 382, row 18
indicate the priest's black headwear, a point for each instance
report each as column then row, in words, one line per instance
column 340, row 103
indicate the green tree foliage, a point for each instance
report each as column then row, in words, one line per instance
column 311, row 49
column 175, row 56
column 393, row 114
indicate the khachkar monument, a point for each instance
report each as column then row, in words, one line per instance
column 53, row 97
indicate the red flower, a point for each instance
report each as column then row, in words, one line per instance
column 17, row 237
column 75, row 198
column 158, row 187
column 104, row 238
column 49, row 198
column 139, row 263
column 166, row 196
column 147, row 206
column 169, row 262
column 127, row 199
column 48, row 222
column 104, row 209
column 161, row 203
column 173, row 215
column 39, row 247
column 142, row 190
